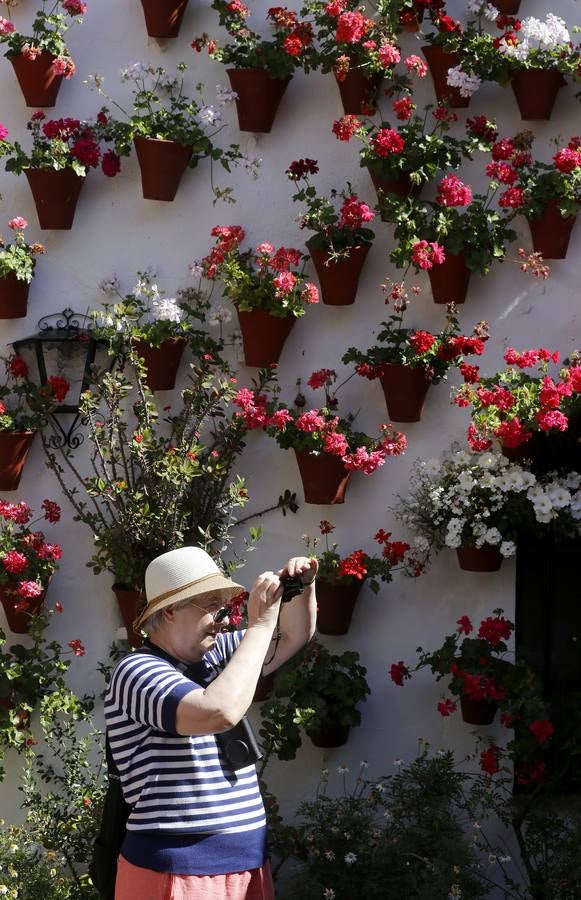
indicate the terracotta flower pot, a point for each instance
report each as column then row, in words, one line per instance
column 259, row 96
column 439, row 62
column 535, row 91
column 128, row 599
column 449, row 280
column 508, row 7
column 551, row 232
column 358, row 92
column 19, row 610
column 55, row 196
column 37, row 78
column 339, row 279
column 477, row 712
column 13, row 297
column 479, row 559
column 163, row 17
column 324, row 477
column 335, row 605
column 263, row 688
column 263, row 335
column 405, row 390
column 14, row 447
column 331, row 737
column 162, row 165
column 161, row 362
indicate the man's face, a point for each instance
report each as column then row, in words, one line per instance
column 193, row 629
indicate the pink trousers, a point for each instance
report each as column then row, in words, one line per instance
column 135, row 883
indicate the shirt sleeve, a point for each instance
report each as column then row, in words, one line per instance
column 226, row 643
column 147, row 690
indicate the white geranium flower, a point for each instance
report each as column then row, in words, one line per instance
column 225, row 95
column 559, row 496
column 467, row 84
column 508, row 548
column 329, row 894
column 493, row 536
column 134, row 72
column 209, row 115
column 466, row 482
column 572, row 480
column 167, row 310
column 329, row 854
column 218, row 315
column 461, row 458
column 252, row 164
column 432, row 466
column 196, row 269
column 110, row 285
column 350, row 858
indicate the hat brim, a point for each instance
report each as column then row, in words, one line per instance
column 213, row 583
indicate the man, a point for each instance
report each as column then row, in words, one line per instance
column 197, row 828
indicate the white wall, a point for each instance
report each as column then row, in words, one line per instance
column 116, row 230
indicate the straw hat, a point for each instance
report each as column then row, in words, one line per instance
column 182, row 573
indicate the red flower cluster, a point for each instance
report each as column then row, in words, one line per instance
column 77, row 647
column 403, row 108
column 387, row 141
column 352, row 27
column 345, row 127
column 321, row 377
column 353, row 565
column 354, row 213
column 229, row 237
column 301, row 167
column 453, row 192
column 495, row 629
column 541, row 730
column 481, row 126
column 489, row 760
column 398, row 671
column 82, row 141
column 425, row 255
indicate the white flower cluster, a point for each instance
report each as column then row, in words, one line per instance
column 136, row 71
column 166, row 309
column 537, row 35
column 218, row 315
column 209, row 115
column 480, row 498
column 110, row 285
column 467, row 84
column 482, row 8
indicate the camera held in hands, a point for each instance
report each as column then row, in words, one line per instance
column 291, row 587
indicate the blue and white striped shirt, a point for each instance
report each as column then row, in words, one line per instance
column 191, row 813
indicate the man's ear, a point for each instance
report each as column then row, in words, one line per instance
column 168, row 614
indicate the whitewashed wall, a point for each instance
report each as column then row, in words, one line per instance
column 115, row 230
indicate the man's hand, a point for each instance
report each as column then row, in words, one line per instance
column 300, row 567
column 264, row 599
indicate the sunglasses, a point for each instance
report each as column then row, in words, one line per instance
column 218, row 616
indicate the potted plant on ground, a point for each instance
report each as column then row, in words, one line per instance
column 153, row 482
column 169, row 129
column 547, row 194
column 261, row 69
column 63, row 151
column 17, row 267
column 457, row 234
column 265, row 285
column 326, row 446
column 339, row 580
column 360, row 51
column 41, row 59
column 23, row 411
column 522, row 409
column 157, row 327
column 331, row 685
column 27, row 562
column 341, row 240
column 470, row 502
column 482, row 676
column 408, row 360
column 402, row 159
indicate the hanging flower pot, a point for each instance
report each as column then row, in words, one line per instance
column 335, row 605
column 264, row 687
column 19, row 610
column 324, row 477
column 55, row 195
column 551, row 232
column 258, row 97
column 402, row 186
column 438, row 63
column 339, row 278
column 449, row 280
column 263, row 335
column 37, row 78
column 477, row 712
column 162, row 165
column 358, row 92
column 536, row 91
column 405, row 390
column 331, row 737
column 13, row 297
column 163, row 17
column 161, row 362
column 14, row 447
column 128, row 599
column 479, row 559
column 508, row 7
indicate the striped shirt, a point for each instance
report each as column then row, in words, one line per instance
column 191, row 813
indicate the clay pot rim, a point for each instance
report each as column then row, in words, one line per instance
column 6, row 431
column 151, row 140
column 55, row 171
column 257, row 69
column 308, row 244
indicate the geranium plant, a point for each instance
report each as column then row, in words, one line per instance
column 360, row 566
column 27, row 560
column 458, row 222
column 434, row 354
column 335, row 230
column 480, row 668
column 51, row 23
column 513, row 404
column 19, row 258
column 289, row 48
column 265, row 278
column 163, row 109
column 414, row 149
column 24, row 406
column 60, row 144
